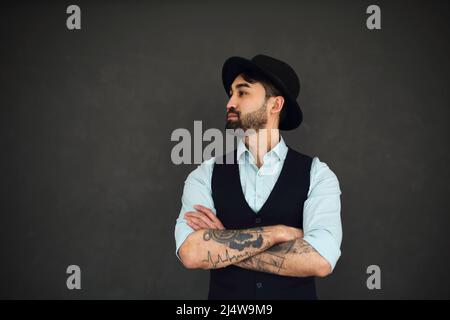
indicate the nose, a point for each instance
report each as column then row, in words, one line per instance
column 231, row 104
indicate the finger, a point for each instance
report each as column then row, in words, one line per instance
column 213, row 218
column 301, row 232
column 189, row 213
column 197, row 223
column 200, row 215
column 204, row 218
column 201, row 223
column 210, row 215
column 188, row 216
column 193, row 225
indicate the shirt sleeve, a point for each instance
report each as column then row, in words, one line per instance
column 197, row 190
column 322, row 213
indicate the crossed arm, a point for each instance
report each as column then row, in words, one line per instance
column 274, row 249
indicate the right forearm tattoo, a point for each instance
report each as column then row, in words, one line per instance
column 242, row 240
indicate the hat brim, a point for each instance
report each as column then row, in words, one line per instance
column 236, row 65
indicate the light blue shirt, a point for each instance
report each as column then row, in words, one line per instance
column 321, row 211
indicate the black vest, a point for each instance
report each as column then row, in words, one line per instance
column 283, row 206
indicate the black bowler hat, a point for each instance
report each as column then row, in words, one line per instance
column 282, row 76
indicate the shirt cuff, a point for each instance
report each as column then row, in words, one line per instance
column 181, row 236
column 324, row 243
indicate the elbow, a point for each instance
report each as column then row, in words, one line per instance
column 188, row 262
column 323, row 269
column 188, row 257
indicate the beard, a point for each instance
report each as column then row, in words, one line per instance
column 254, row 120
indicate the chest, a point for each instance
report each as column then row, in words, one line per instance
column 245, row 199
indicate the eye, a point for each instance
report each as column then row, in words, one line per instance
column 241, row 93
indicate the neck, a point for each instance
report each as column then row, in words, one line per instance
column 262, row 142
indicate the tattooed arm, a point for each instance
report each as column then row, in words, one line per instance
column 296, row 258
column 292, row 257
column 211, row 249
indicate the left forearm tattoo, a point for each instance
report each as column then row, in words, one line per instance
column 273, row 258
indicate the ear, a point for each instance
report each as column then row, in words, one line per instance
column 277, row 104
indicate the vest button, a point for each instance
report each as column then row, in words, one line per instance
column 259, row 285
column 258, row 220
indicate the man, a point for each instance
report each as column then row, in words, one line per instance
column 269, row 223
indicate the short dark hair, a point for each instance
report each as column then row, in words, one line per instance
column 252, row 76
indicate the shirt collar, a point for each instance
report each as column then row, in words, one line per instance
column 280, row 149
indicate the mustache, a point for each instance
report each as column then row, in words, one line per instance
column 233, row 111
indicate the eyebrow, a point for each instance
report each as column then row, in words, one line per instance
column 240, row 85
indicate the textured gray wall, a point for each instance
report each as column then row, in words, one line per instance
column 86, row 119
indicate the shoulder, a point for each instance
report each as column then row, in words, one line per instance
column 202, row 174
column 299, row 159
column 322, row 175
column 299, row 155
column 320, row 168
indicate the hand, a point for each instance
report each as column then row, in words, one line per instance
column 286, row 233
column 203, row 218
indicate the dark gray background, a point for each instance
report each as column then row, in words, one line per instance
column 86, row 119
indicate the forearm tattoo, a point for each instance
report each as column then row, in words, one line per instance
column 241, row 240
column 236, row 239
column 272, row 259
column 227, row 257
